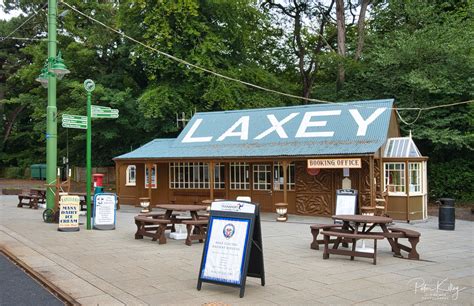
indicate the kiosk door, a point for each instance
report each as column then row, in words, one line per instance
column 262, row 191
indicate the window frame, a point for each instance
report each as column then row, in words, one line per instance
column 239, row 176
column 128, row 181
column 154, row 172
column 419, row 177
column 395, row 189
column 190, row 175
column 278, row 169
column 267, row 172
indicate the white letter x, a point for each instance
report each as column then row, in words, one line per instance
column 277, row 126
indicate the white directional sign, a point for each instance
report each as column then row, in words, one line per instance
column 104, row 112
column 74, row 121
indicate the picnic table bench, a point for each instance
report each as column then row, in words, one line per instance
column 353, row 237
column 31, row 197
column 199, row 232
column 315, row 228
column 413, row 238
column 151, row 227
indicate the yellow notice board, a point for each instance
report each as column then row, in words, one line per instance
column 69, row 213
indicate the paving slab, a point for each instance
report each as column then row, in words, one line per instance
column 112, row 268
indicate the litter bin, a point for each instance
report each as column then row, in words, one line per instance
column 446, row 214
column 38, row 171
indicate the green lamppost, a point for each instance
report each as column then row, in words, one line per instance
column 54, row 68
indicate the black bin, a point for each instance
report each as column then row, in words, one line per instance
column 446, row 214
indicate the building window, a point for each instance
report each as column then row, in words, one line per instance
column 239, row 176
column 278, row 176
column 395, row 177
column 189, row 176
column 219, row 176
column 261, row 177
column 414, row 172
column 131, row 176
column 153, row 176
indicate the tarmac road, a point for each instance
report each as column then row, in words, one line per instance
column 18, row 288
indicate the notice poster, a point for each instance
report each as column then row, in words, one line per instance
column 224, row 260
column 68, row 213
column 104, row 210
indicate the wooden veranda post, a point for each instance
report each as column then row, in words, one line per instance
column 117, row 182
column 149, row 167
column 211, row 179
column 285, row 180
column 371, row 171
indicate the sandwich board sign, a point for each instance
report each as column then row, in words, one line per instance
column 104, row 211
column 346, row 201
column 233, row 248
column 69, row 213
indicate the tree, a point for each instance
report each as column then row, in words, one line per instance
column 307, row 45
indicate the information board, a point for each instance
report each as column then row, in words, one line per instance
column 346, row 201
column 104, row 211
column 69, row 213
column 233, row 248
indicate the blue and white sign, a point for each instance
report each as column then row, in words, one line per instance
column 104, row 211
column 233, row 206
column 224, row 260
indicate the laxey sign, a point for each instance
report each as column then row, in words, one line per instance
column 74, row 121
column 306, row 127
column 104, row 112
column 351, row 121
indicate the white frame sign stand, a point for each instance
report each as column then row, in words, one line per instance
column 104, row 214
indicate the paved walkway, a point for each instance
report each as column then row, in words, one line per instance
column 112, row 268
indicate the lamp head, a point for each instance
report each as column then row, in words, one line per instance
column 58, row 67
column 43, row 77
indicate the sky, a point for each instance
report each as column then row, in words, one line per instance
column 5, row 16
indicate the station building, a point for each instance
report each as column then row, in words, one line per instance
column 298, row 155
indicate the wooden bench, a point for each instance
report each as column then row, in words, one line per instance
column 31, row 198
column 413, row 238
column 315, row 228
column 154, row 228
column 349, row 236
column 199, row 232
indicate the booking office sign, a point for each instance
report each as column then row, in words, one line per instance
column 233, row 248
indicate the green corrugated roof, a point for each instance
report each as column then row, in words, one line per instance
column 325, row 129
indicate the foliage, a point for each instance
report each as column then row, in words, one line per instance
column 418, row 52
column 452, row 179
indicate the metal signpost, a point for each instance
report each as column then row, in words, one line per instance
column 104, row 112
column 84, row 122
column 74, row 121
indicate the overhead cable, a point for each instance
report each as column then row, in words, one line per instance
column 419, row 109
column 24, row 22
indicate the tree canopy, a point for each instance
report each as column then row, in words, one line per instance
column 417, row 52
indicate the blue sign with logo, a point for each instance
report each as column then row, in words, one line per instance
column 233, row 248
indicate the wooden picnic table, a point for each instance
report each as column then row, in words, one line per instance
column 352, row 222
column 153, row 224
column 41, row 192
column 170, row 208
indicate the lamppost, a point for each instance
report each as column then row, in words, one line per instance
column 54, row 68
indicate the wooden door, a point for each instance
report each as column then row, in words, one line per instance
column 262, row 191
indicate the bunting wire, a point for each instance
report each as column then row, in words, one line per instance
column 24, row 38
column 24, row 22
